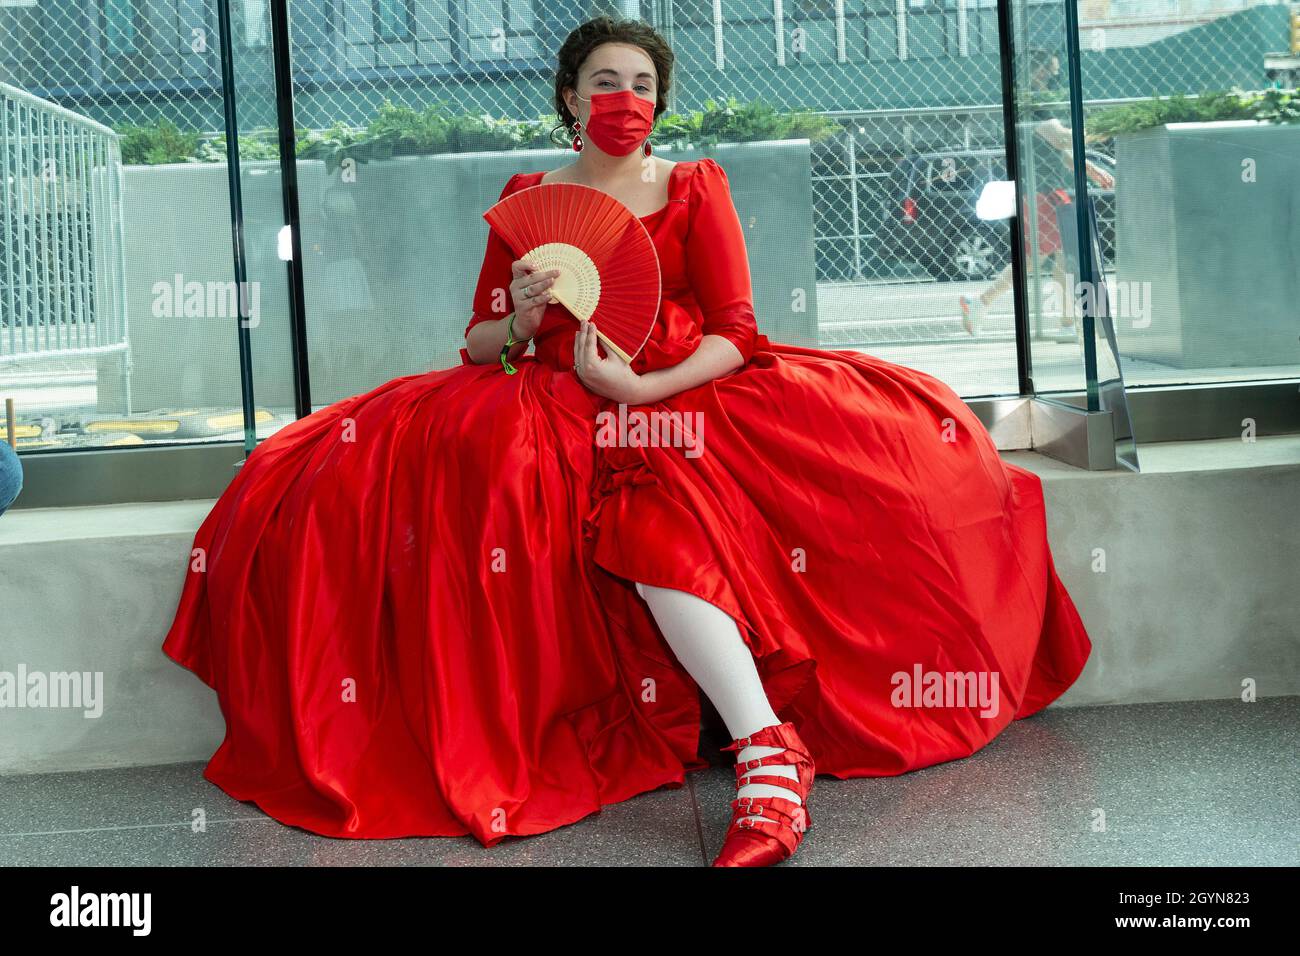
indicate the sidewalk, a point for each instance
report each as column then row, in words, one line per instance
column 1183, row 784
column 911, row 323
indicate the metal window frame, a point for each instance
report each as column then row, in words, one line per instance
column 408, row 11
column 102, row 14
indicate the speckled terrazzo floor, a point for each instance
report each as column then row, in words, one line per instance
column 1183, row 784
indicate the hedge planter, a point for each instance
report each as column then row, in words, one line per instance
column 391, row 258
column 1209, row 215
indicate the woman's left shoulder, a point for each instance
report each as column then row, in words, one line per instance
column 707, row 179
column 709, row 169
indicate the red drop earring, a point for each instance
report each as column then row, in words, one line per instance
column 577, row 136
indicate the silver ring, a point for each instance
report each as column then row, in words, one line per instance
column 528, row 291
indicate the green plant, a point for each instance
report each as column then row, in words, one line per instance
column 154, row 145
column 327, row 143
column 259, row 145
column 734, row 122
column 1278, row 106
column 1270, row 106
column 398, row 130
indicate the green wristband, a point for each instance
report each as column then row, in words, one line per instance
column 511, row 341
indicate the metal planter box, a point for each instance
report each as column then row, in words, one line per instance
column 1208, row 214
column 391, row 260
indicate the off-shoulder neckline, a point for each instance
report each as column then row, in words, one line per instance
column 662, row 209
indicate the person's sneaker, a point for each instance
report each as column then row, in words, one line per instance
column 972, row 313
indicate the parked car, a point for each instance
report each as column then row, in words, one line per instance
column 932, row 220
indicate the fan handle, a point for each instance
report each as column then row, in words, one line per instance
column 568, row 306
column 613, row 348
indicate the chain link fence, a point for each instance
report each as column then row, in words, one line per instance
column 914, row 85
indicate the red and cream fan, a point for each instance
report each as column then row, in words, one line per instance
column 609, row 269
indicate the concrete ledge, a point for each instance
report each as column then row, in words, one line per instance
column 94, row 589
column 1185, row 576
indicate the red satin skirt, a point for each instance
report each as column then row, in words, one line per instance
column 417, row 608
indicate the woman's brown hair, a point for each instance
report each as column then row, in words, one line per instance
column 586, row 37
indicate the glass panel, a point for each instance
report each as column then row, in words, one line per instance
column 261, row 189
column 1046, row 179
column 118, row 307
column 1068, row 290
column 396, row 168
column 1200, row 227
column 917, row 96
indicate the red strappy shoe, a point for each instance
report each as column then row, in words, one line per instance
column 776, row 836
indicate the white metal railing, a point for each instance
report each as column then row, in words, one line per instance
column 62, row 258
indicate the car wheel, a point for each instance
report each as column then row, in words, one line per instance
column 974, row 256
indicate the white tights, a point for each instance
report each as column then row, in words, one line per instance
column 708, row 644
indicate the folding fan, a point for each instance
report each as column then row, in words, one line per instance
column 609, row 269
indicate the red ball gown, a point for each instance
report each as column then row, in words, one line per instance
column 417, row 609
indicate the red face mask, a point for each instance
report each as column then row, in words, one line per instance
column 619, row 120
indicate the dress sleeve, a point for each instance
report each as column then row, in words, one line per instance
column 495, row 274
column 717, row 264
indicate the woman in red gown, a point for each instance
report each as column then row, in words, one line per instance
column 451, row 605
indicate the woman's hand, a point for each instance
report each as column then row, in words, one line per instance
column 609, row 377
column 530, row 291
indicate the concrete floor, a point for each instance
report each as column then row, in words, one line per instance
column 1179, row 784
